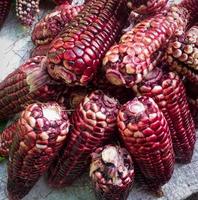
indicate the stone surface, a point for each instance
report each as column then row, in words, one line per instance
column 15, row 44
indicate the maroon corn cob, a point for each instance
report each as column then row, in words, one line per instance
column 76, row 53
column 182, row 54
column 112, row 173
column 4, row 10
column 52, row 24
column 168, row 92
column 6, row 139
column 145, row 132
column 26, row 11
column 129, row 61
column 94, row 122
column 42, row 130
column 147, row 6
column 29, row 83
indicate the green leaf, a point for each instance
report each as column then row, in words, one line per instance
column 2, row 159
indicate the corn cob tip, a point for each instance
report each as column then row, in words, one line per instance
column 51, row 25
column 111, row 172
column 42, row 130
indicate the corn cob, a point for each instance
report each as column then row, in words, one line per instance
column 29, row 83
column 182, row 54
column 94, row 122
column 147, row 6
column 112, row 173
column 184, row 70
column 52, row 24
column 41, row 132
column 145, row 133
column 167, row 90
column 129, row 61
column 76, row 53
column 4, row 10
column 26, row 10
column 6, row 139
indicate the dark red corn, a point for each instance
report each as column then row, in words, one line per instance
column 52, row 24
column 94, row 123
column 26, row 10
column 168, row 91
column 147, row 6
column 145, row 133
column 4, row 10
column 27, row 84
column 128, row 62
column 42, row 130
column 76, row 53
column 182, row 54
column 112, row 173
column 6, row 139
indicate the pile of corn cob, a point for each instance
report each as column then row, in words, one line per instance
column 90, row 97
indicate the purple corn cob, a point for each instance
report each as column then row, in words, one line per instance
column 128, row 62
column 147, row 6
column 41, row 133
column 27, row 84
column 76, row 53
column 94, row 122
column 145, row 133
column 52, row 24
column 6, row 139
column 112, row 173
column 4, row 10
column 167, row 90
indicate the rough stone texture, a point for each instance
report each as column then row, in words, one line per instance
column 15, row 45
